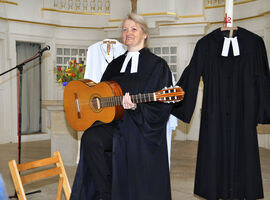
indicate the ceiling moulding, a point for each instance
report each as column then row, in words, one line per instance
column 190, row 19
column 243, row 18
column 164, row 30
column 113, row 32
column 50, row 24
column 183, row 29
column 153, row 19
column 235, row 3
column 190, row 16
column 73, row 12
column 168, row 14
column 117, row 23
column 9, row 2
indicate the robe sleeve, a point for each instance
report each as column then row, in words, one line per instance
column 263, row 76
column 189, row 81
column 151, row 118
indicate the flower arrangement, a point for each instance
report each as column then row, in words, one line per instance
column 74, row 71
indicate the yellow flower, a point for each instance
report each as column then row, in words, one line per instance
column 73, row 71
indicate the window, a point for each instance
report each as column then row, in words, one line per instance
column 64, row 54
column 168, row 53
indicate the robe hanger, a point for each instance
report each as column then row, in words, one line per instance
column 228, row 19
column 109, row 42
column 231, row 29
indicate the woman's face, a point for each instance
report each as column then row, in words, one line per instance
column 133, row 36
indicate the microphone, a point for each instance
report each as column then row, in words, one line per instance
column 44, row 49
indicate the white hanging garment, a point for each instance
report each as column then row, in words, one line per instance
column 98, row 58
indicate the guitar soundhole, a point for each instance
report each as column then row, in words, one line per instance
column 95, row 104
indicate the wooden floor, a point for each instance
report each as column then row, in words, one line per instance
column 182, row 169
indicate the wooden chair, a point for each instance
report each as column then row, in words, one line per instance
column 58, row 169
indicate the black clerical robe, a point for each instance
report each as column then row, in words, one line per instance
column 236, row 97
column 140, row 168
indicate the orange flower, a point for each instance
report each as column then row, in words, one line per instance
column 74, row 71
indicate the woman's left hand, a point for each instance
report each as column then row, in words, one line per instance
column 127, row 103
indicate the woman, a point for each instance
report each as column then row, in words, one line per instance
column 139, row 168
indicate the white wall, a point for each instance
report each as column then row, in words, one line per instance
column 187, row 9
column 153, row 6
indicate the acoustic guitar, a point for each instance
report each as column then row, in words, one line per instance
column 86, row 102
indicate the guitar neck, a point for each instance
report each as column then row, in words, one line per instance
column 117, row 100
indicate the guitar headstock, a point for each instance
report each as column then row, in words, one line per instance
column 170, row 95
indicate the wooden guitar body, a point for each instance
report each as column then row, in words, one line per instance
column 82, row 103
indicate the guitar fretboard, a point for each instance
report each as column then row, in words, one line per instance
column 117, row 100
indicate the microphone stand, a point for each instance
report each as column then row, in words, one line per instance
column 19, row 67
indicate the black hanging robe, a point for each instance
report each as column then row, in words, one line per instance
column 140, row 168
column 236, row 98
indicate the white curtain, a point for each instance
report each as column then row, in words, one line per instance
column 31, row 88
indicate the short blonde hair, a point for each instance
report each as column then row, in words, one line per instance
column 138, row 19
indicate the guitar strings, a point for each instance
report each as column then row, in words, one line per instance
column 139, row 98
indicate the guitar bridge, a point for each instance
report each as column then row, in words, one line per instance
column 77, row 103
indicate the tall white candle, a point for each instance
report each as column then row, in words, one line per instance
column 82, row 57
column 77, row 58
column 229, row 13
